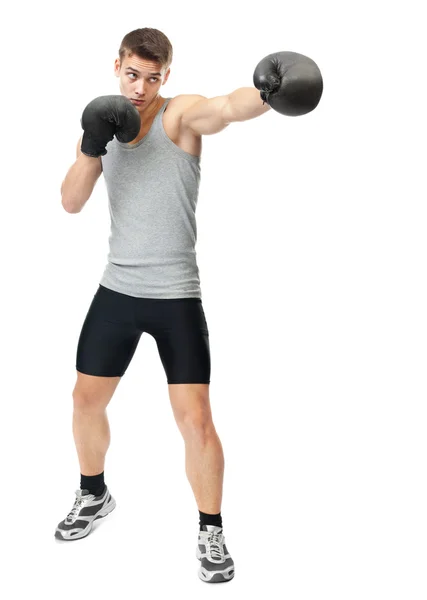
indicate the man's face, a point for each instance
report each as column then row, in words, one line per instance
column 140, row 79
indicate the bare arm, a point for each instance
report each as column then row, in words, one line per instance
column 80, row 180
column 211, row 115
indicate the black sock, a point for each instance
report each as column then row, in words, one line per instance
column 94, row 483
column 206, row 519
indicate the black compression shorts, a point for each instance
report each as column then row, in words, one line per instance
column 116, row 321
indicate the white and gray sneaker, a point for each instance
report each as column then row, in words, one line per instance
column 86, row 510
column 216, row 564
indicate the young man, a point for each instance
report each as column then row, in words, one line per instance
column 148, row 148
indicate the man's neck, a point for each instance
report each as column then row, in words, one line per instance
column 152, row 110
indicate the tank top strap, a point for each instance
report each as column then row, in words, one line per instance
column 158, row 118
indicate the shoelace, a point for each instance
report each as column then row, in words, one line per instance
column 214, row 545
column 76, row 508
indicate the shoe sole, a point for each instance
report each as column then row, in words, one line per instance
column 218, row 577
column 78, row 536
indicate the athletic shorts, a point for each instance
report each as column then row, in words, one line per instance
column 116, row 321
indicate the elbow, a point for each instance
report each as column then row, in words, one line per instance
column 69, row 208
column 66, row 204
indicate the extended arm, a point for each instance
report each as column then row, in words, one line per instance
column 211, row 115
column 288, row 82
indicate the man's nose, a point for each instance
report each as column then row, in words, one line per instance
column 140, row 88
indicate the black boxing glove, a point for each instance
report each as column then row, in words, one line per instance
column 105, row 117
column 289, row 82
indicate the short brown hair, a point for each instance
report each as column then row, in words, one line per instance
column 147, row 43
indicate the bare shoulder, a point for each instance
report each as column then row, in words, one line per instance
column 181, row 135
column 181, row 103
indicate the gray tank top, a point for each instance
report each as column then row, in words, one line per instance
column 152, row 191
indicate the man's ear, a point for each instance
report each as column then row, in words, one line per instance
column 166, row 76
column 117, row 67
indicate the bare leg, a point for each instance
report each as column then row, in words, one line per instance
column 91, row 429
column 204, row 466
column 204, row 457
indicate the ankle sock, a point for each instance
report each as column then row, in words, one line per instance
column 94, row 483
column 207, row 519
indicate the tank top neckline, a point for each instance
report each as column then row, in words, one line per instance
column 158, row 116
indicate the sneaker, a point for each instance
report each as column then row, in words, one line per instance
column 216, row 563
column 87, row 509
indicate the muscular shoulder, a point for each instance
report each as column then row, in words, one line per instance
column 180, row 104
column 182, row 136
column 184, row 101
column 175, row 123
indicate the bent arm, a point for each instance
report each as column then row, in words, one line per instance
column 79, row 181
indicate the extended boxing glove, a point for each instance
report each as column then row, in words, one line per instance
column 105, row 117
column 289, row 82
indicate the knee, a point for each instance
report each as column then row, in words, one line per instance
column 197, row 424
column 87, row 402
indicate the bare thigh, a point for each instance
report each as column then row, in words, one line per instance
column 94, row 390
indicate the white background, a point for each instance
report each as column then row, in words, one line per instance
column 312, row 256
